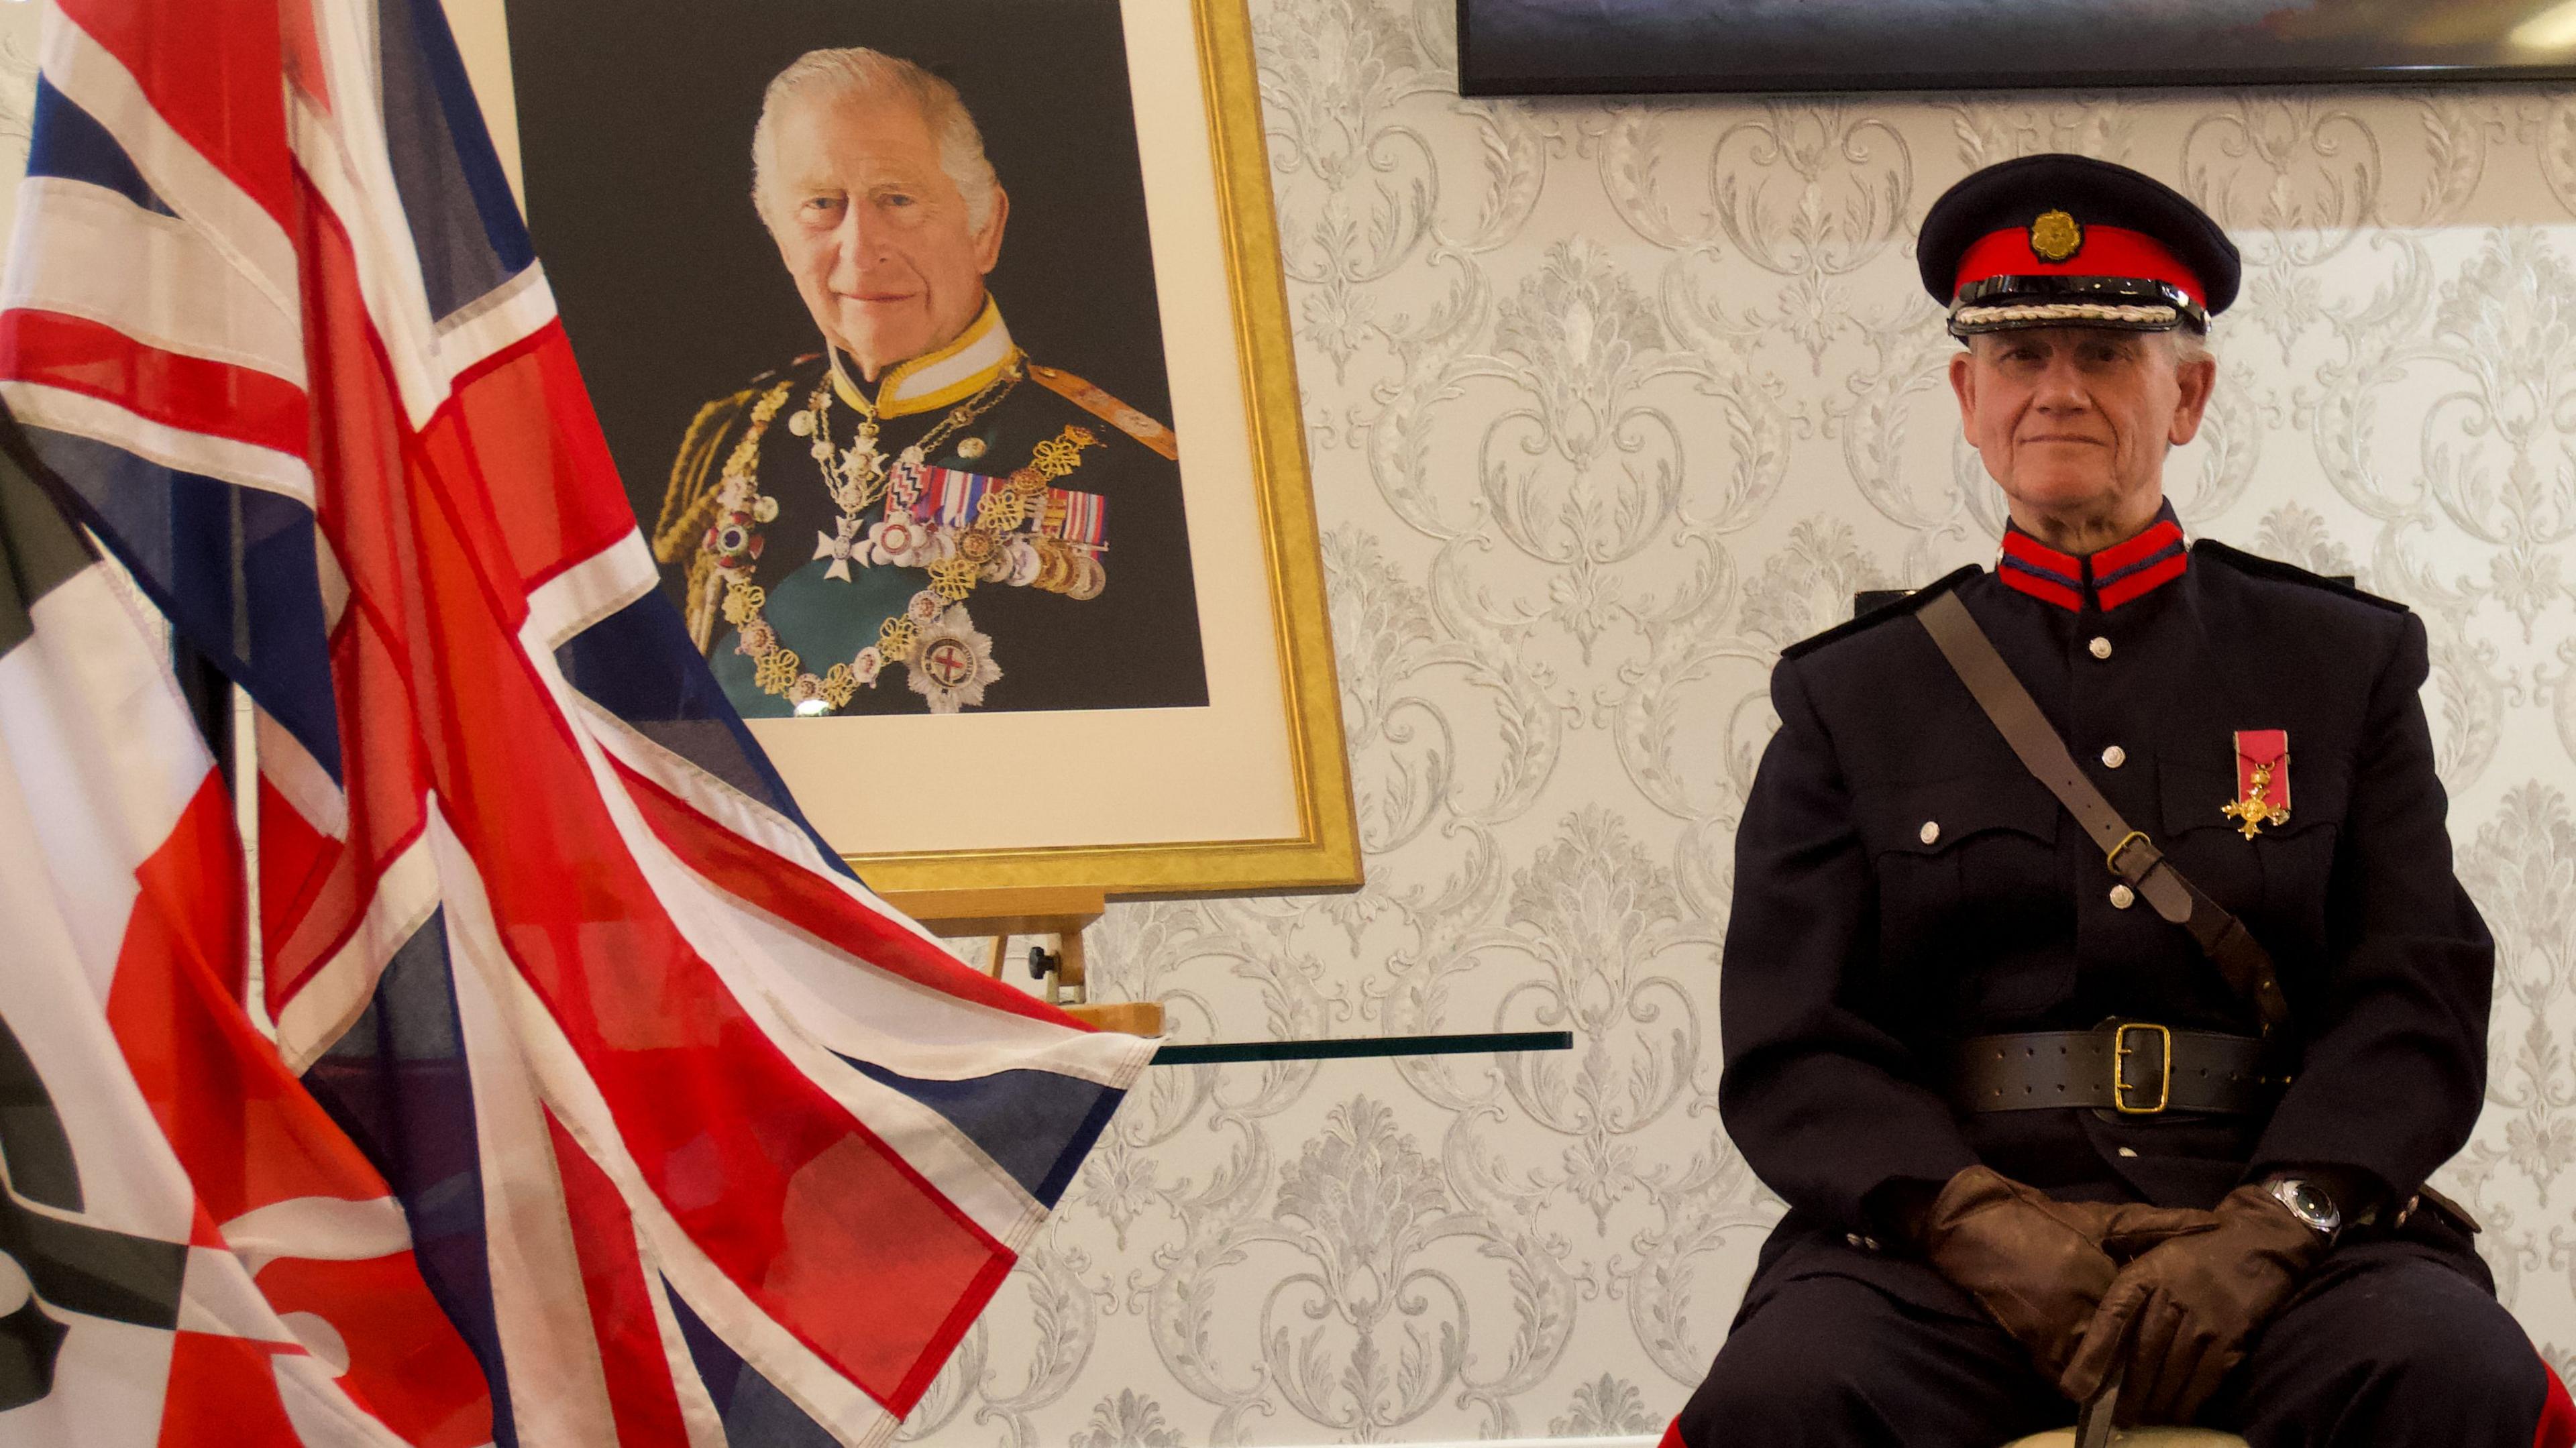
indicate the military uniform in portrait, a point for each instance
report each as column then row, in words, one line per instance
column 977, row 531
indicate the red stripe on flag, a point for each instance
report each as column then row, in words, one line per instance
column 189, row 393
column 296, row 864
column 246, row 1133
column 301, row 41
column 210, row 69
column 641, row 1398
column 534, row 379
column 817, row 907
column 385, row 773
column 818, row 1221
column 186, row 911
column 222, row 1393
column 406, row 1363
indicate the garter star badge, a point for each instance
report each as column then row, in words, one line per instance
column 953, row 664
column 2055, row 236
column 2262, row 780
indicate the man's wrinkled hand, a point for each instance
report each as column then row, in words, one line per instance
column 2039, row 1266
column 2180, row 1315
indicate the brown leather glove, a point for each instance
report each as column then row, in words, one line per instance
column 2038, row 1265
column 2180, row 1314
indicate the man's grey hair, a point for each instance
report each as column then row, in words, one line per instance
column 855, row 70
column 2188, row 344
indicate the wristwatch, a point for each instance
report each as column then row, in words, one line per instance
column 2307, row 1201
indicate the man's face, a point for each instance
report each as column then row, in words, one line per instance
column 2075, row 421
column 874, row 231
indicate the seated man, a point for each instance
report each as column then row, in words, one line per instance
column 918, row 501
column 2035, row 1135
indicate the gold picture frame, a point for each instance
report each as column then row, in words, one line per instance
column 1325, row 851
column 1320, row 849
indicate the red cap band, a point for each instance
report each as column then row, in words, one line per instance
column 2108, row 251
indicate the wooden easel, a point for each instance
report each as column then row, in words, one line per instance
column 1055, row 913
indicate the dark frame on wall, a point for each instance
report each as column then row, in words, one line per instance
column 1604, row 47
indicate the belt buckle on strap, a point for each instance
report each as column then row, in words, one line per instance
column 2133, row 837
column 2121, row 1051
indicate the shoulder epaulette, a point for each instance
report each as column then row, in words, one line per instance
column 2273, row 568
column 691, row 490
column 1108, row 409
column 697, row 469
column 1898, row 607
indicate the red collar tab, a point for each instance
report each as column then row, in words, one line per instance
column 2098, row 251
column 2108, row 579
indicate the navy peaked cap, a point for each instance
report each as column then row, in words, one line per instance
column 2069, row 240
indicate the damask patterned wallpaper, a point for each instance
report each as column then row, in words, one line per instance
column 1606, row 403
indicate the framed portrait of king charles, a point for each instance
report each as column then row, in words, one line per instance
column 943, row 350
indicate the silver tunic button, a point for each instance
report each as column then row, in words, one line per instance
column 1930, row 832
column 2122, row 897
column 2100, row 648
column 2114, row 757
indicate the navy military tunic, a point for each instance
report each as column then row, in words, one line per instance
column 1902, row 882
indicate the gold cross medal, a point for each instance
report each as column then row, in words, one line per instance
column 2262, row 781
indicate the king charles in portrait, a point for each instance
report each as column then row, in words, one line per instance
column 919, row 517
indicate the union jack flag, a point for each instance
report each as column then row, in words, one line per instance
column 692, row 1133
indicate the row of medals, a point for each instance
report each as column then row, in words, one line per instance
column 857, row 477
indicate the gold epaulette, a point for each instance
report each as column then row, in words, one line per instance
column 1108, row 409
column 697, row 475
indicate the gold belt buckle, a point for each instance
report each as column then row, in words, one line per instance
column 2121, row 1051
column 2133, row 837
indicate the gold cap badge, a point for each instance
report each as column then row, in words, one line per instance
column 2055, row 236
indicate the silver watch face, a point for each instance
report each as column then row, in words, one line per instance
column 2309, row 1203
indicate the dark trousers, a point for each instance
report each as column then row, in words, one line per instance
column 2387, row 1346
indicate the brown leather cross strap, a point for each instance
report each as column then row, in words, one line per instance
column 2130, row 854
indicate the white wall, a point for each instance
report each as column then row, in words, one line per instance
column 1606, row 403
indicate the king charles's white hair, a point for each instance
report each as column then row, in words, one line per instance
column 824, row 75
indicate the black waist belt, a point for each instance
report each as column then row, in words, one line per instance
column 2133, row 1068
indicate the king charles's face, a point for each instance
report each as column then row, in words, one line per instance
column 873, row 230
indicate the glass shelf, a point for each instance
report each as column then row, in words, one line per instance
column 1216, row 1052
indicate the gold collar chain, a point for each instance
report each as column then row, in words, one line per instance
column 856, row 477
column 733, row 544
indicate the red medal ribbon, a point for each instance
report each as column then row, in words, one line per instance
column 2256, row 748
